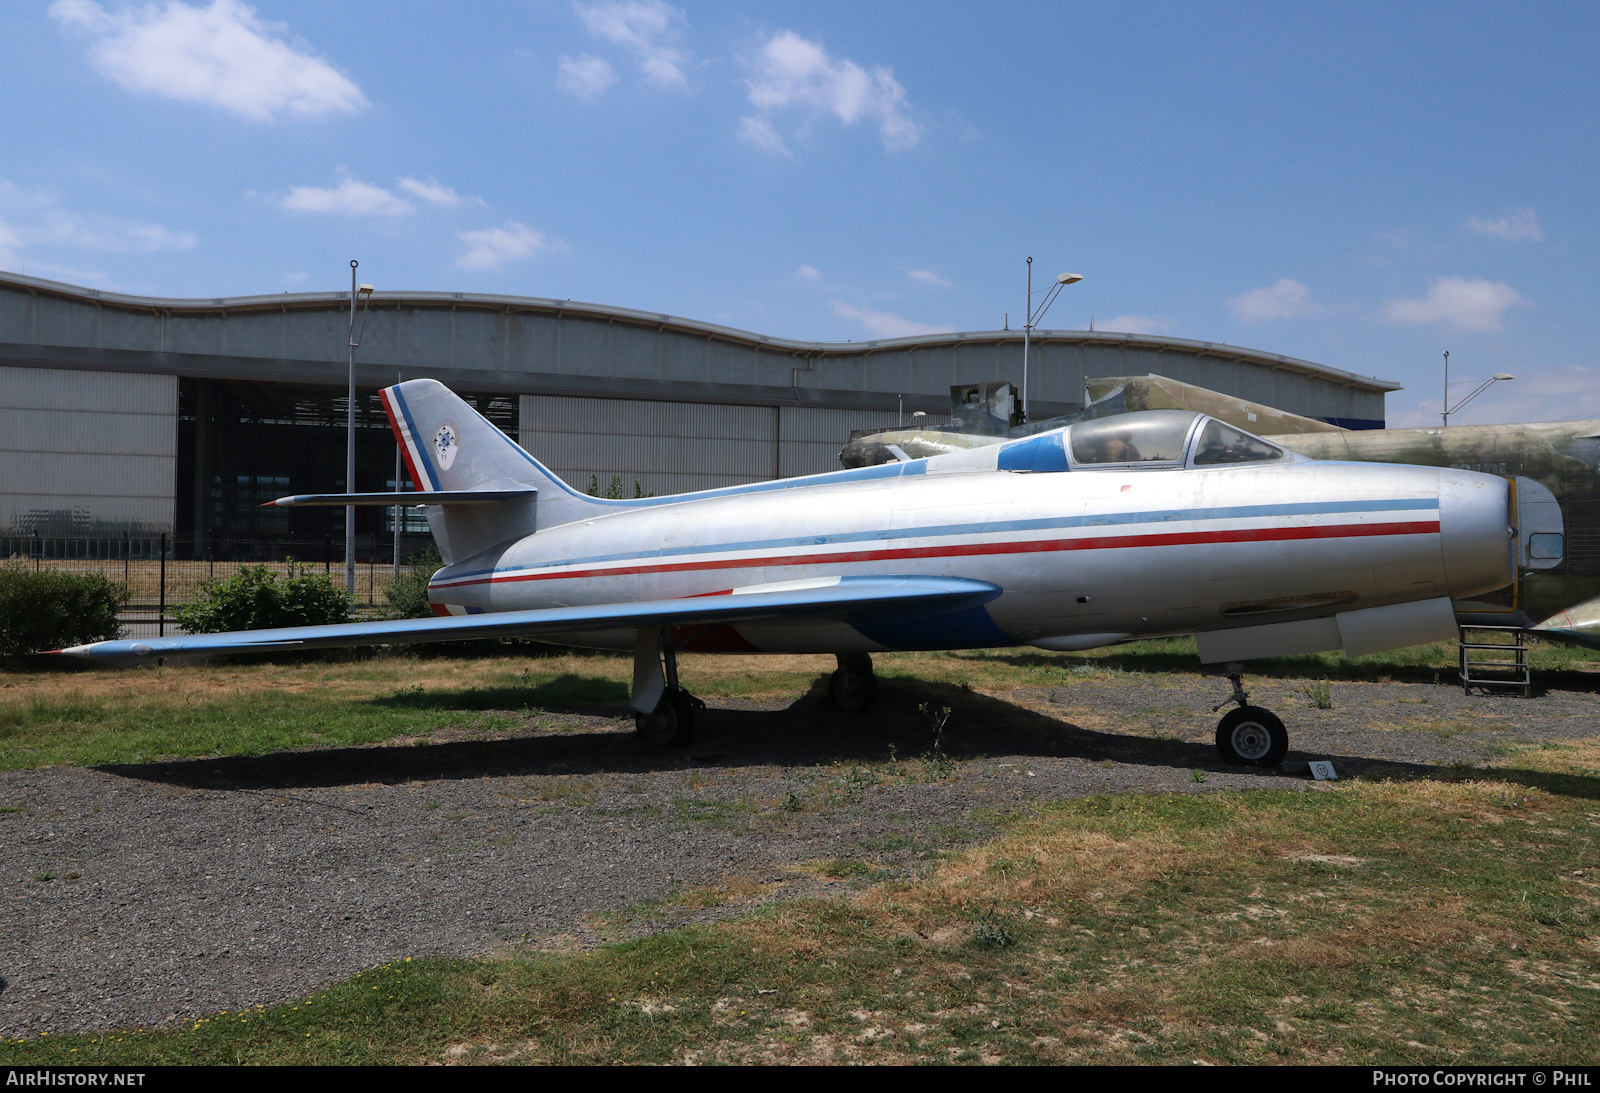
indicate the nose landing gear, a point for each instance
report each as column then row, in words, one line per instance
column 1249, row 736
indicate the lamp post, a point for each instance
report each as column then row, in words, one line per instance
column 365, row 292
column 1476, row 391
column 1033, row 318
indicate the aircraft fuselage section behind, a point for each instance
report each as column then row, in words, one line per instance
column 1102, row 555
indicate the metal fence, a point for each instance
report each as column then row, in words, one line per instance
column 165, row 571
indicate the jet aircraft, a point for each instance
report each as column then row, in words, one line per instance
column 1154, row 523
column 1554, row 468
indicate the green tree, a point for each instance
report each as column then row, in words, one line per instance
column 50, row 609
column 255, row 598
column 407, row 597
column 614, row 492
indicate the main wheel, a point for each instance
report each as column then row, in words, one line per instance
column 852, row 690
column 1252, row 737
column 670, row 724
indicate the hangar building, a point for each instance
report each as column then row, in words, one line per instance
column 143, row 416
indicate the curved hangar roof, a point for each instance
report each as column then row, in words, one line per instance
column 527, row 345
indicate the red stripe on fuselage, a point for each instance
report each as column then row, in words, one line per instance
column 1107, row 542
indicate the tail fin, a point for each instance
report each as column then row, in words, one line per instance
column 450, row 446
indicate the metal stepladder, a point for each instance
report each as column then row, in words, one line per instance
column 1495, row 666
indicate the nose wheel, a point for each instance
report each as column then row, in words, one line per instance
column 1252, row 737
column 1249, row 736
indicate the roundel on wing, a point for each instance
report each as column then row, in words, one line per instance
column 446, row 443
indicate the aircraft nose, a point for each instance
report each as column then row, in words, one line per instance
column 1475, row 532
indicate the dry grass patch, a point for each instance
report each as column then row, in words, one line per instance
column 1414, row 922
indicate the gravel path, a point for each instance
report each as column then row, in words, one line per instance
column 143, row 895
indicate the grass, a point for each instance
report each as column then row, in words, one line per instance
column 1360, row 923
column 60, row 714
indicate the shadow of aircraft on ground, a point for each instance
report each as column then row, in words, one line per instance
column 800, row 736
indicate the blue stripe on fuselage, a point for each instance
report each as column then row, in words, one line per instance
column 1160, row 516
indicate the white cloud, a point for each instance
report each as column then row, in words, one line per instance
column 885, row 324
column 349, row 198
column 646, row 28
column 1475, row 304
column 585, row 77
column 927, row 277
column 1512, row 225
column 10, row 243
column 38, row 219
column 1135, row 324
column 1285, row 300
column 432, row 191
column 492, row 248
column 789, row 71
column 808, row 273
column 223, row 56
column 757, row 131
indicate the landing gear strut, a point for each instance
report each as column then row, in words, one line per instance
column 1249, row 736
column 853, row 687
column 671, row 721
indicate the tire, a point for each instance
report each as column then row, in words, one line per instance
column 853, row 691
column 1252, row 737
column 670, row 724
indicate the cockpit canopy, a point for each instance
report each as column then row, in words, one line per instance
column 1144, row 440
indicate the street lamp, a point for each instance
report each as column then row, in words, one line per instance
column 1033, row 318
column 365, row 293
column 1476, row 391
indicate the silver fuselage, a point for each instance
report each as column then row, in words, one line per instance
column 1124, row 553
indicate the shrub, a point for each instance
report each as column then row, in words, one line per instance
column 407, row 598
column 255, row 598
column 49, row 609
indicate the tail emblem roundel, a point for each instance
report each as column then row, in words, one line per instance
column 446, row 442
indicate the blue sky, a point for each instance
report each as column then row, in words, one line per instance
column 1362, row 186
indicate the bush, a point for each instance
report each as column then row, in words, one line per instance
column 49, row 609
column 407, row 598
column 255, row 598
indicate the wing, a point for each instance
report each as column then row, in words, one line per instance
column 847, row 599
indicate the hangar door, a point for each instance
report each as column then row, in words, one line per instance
column 87, row 453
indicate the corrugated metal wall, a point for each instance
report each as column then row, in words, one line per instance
column 676, row 447
column 87, row 453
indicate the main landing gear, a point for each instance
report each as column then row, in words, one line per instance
column 852, row 686
column 672, row 722
column 670, row 712
column 1249, row 736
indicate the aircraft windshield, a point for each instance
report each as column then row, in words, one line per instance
column 1155, row 436
column 1221, row 443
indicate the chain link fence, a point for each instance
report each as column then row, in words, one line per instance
column 165, row 571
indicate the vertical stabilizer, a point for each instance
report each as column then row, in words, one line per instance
column 450, row 446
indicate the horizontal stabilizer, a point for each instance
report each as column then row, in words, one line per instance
column 427, row 497
column 850, row 600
